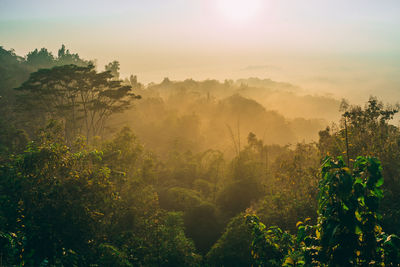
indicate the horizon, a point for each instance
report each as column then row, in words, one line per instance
column 337, row 48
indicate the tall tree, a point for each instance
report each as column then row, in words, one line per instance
column 80, row 96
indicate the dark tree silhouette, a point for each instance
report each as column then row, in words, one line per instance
column 80, row 96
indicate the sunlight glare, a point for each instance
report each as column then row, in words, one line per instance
column 239, row 10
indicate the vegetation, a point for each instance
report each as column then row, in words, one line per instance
column 348, row 232
column 96, row 170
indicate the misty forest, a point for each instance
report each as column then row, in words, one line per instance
column 101, row 170
column 200, row 133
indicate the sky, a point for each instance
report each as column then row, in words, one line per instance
column 339, row 47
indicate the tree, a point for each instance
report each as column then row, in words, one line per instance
column 65, row 57
column 13, row 72
column 270, row 246
column 40, row 58
column 202, row 225
column 291, row 188
column 348, row 231
column 133, row 81
column 55, row 202
column 65, row 208
column 113, row 68
column 348, row 218
column 80, row 96
column 233, row 248
column 368, row 131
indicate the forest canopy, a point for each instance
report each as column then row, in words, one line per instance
column 101, row 170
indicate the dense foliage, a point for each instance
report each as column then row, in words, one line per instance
column 189, row 174
column 348, row 232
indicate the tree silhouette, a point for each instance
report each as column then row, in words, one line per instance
column 80, row 96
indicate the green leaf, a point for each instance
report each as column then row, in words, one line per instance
column 358, row 230
column 379, row 182
column 301, row 234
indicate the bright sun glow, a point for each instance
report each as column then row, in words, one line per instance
column 239, row 10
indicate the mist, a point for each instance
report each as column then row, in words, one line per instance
column 199, row 133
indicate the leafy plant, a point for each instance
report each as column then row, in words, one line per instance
column 347, row 233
